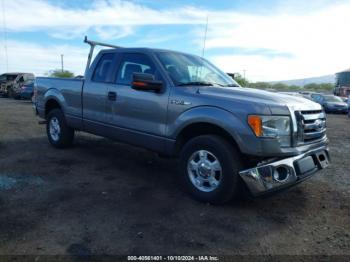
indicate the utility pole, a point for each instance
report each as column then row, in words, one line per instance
column 205, row 36
column 62, row 67
column 244, row 73
column 5, row 33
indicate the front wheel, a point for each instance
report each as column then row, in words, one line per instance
column 60, row 135
column 210, row 166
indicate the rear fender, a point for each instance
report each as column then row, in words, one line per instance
column 54, row 94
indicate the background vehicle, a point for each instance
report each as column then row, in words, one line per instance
column 307, row 94
column 331, row 103
column 345, row 99
column 227, row 137
column 6, row 81
column 11, row 83
column 26, row 91
column 292, row 94
column 342, row 83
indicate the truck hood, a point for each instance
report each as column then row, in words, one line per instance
column 270, row 99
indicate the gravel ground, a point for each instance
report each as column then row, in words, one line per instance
column 102, row 197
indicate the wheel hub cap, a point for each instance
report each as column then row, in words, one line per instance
column 204, row 170
column 55, row 129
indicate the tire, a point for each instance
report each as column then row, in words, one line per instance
column 60, row 135
column 10, row 93
column 202, row 177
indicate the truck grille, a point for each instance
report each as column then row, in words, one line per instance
column 311, row 126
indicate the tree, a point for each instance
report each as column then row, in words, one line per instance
column 325, row 87
column 280, row 87
column 260, row 85
column 240, row 79
column 319, row 87
column 60, row 73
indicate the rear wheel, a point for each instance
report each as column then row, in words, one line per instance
column 10, row 92
column 60, row 135
column 210, row 167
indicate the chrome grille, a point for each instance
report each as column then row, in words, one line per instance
column 311, row 126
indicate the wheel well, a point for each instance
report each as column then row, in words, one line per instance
column 50, row 105
column 199, row 129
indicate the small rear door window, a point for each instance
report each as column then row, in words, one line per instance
column 104, row 68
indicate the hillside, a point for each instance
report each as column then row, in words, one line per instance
column 301, row 82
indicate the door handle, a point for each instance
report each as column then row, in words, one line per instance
column 112, row 96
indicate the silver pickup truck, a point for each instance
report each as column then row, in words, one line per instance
column 227, row 138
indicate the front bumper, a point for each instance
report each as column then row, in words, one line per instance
column 273, row 176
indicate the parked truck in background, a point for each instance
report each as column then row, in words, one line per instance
column 11, row 83
column 227, row 138
column 342, row 83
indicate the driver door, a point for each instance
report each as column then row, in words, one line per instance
column 142, row 112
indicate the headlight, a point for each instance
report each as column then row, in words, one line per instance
column 272, row 126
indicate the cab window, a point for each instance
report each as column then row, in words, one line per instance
column 134, row 63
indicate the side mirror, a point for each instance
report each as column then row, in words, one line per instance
column 145, row 82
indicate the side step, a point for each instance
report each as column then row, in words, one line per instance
column 43, row 122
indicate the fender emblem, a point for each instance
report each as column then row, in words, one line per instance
column 180, row 102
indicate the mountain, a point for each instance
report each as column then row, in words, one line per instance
column 301, row 82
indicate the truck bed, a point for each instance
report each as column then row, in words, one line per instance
column 67, row 90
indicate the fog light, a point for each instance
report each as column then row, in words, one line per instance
column 281, row 174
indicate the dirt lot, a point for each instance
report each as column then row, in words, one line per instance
column 101, row 197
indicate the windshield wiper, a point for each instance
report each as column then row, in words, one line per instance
column 195, row 84
column 232, row 85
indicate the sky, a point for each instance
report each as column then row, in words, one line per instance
column 268, row 40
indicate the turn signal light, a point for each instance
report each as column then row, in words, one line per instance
column 139, row 84
column 256, row 124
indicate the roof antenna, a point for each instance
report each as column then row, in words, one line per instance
column 205, row 36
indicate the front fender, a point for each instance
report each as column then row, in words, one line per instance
column 232, row 124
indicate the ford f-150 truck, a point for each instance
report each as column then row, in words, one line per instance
column 227, row 138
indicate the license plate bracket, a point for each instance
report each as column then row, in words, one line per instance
column 322, row 159
column 306, row 165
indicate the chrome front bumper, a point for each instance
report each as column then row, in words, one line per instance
column 273, row 176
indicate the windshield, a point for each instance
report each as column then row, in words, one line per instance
column 5, row 78
column 192, row 70
column 11, row 77
column 333, row 99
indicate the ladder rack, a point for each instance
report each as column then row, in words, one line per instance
column 93, row 44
